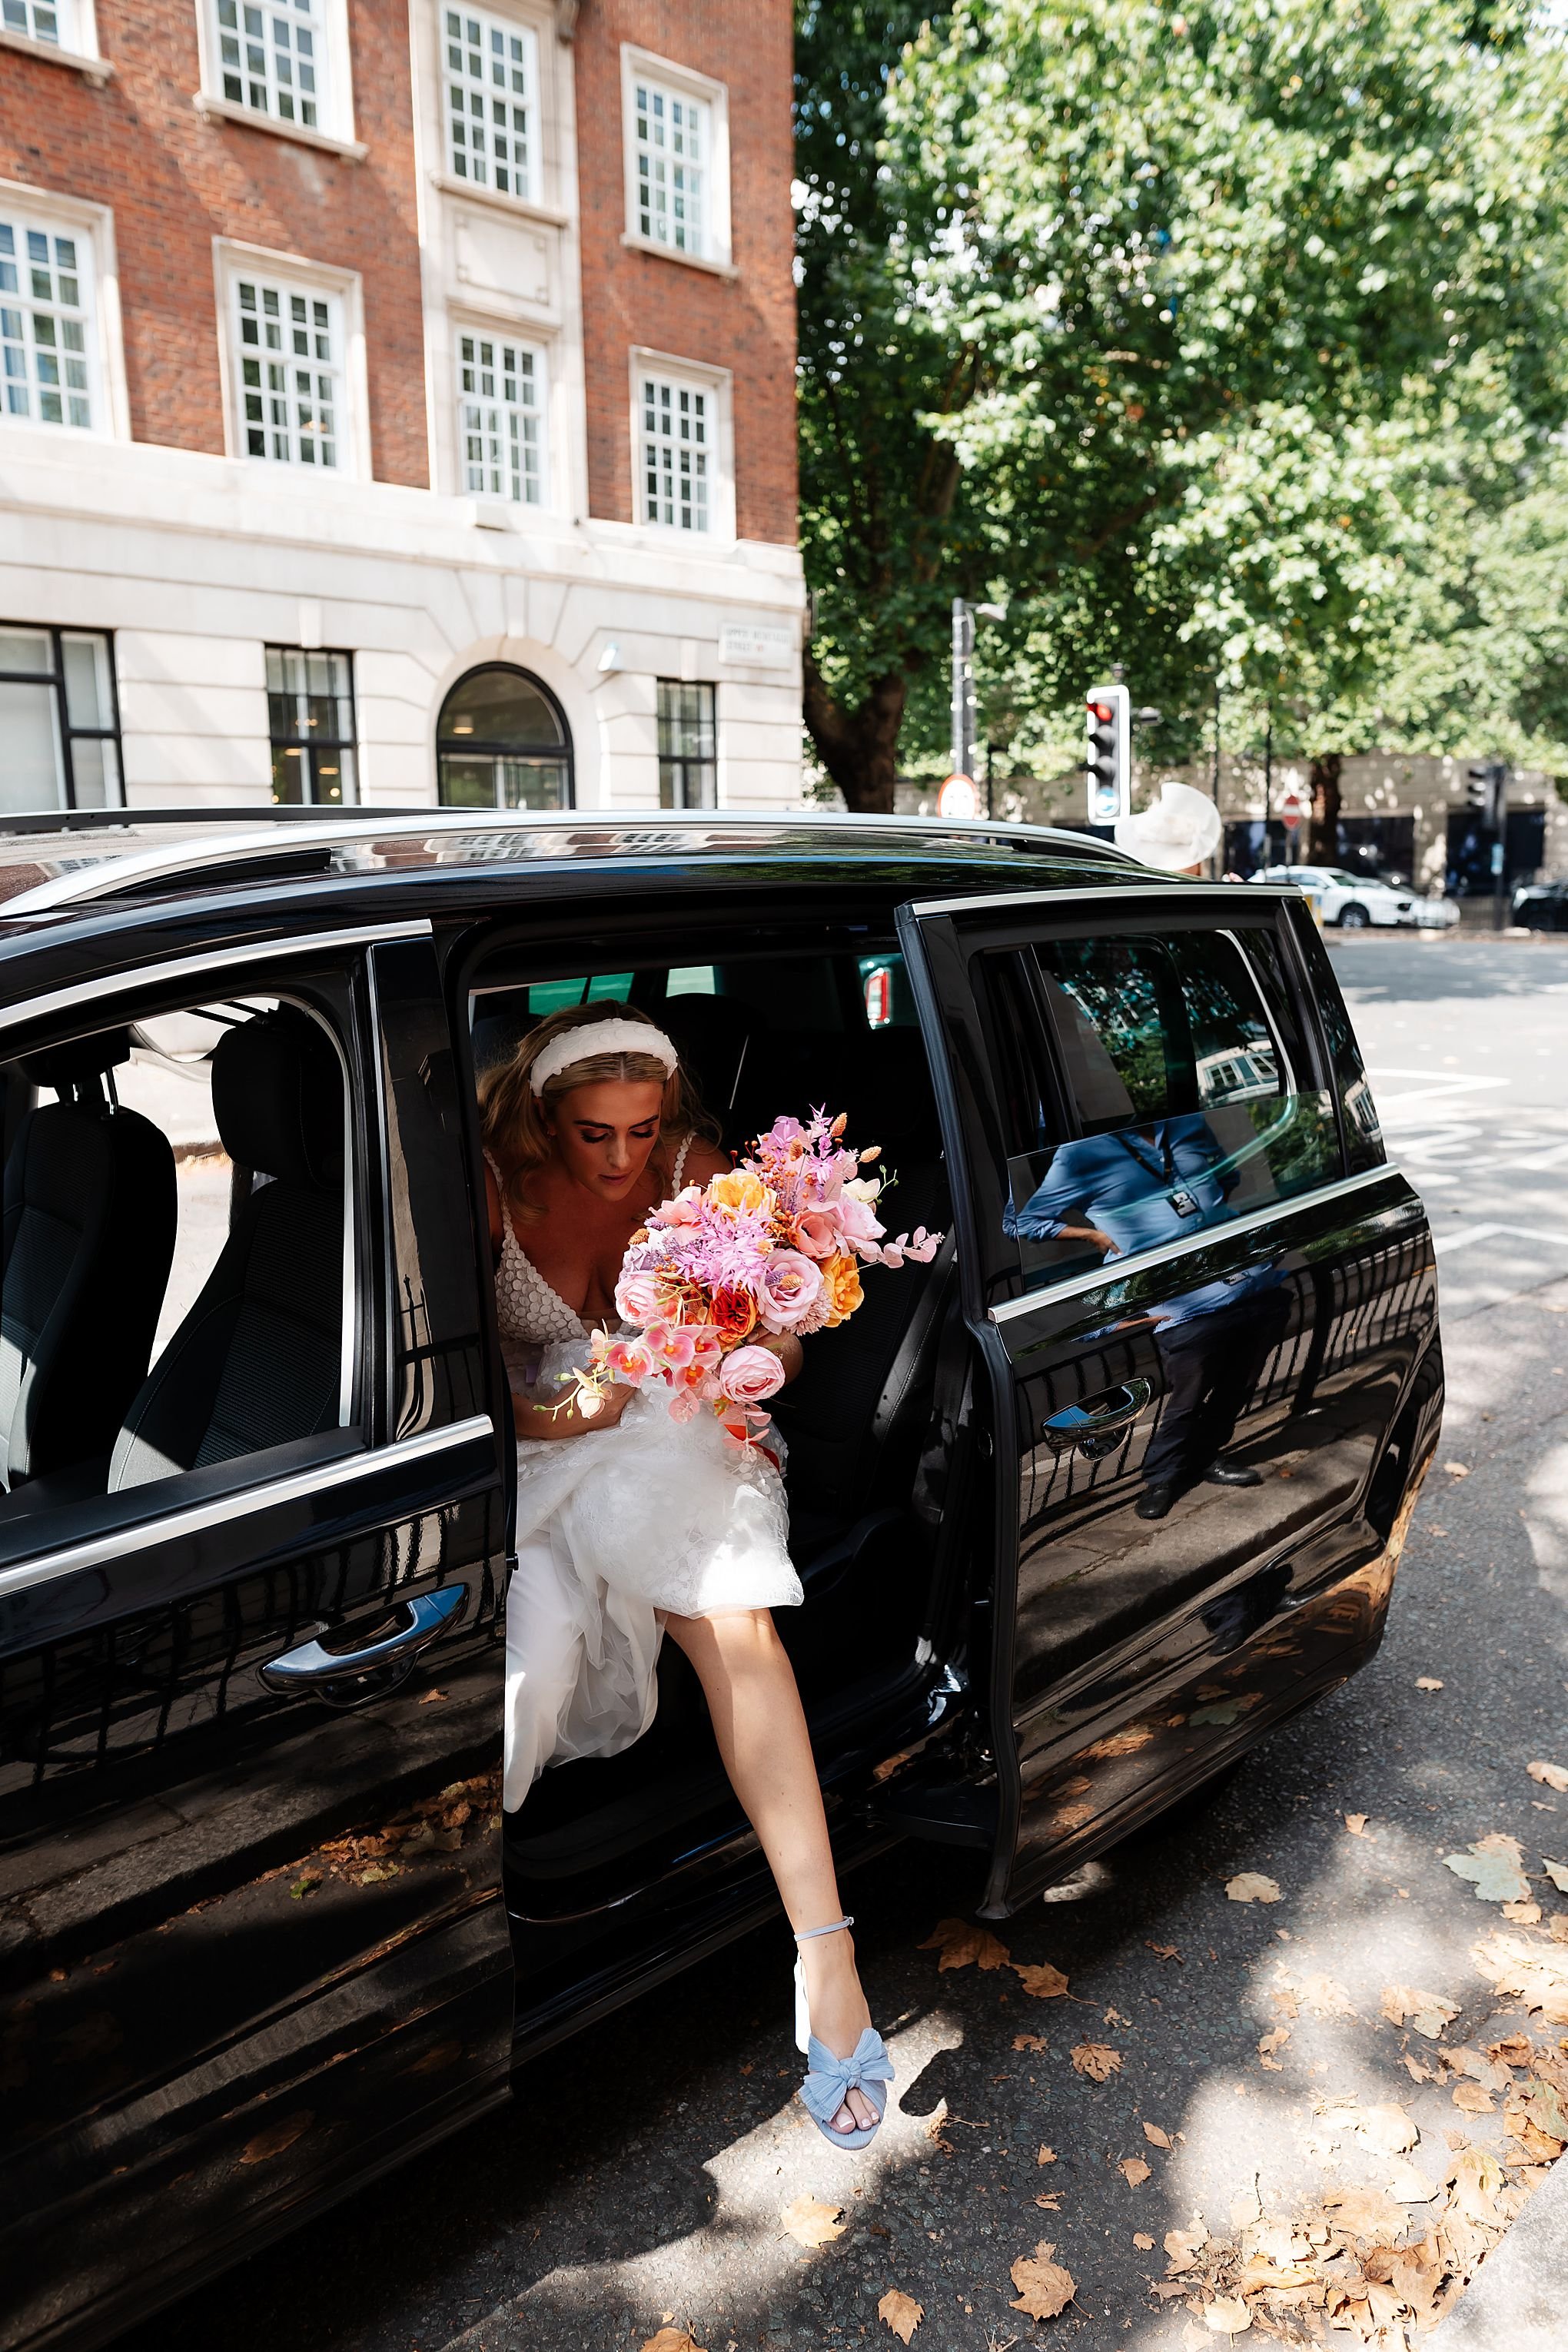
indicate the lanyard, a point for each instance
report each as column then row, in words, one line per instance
column 1166, row 1171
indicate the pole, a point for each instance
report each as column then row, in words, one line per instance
column 962, row 703
column 1499, row 819
column 1268, row 785
column 1220, row 851
column 990, row 784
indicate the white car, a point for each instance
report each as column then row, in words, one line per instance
column 1355, row 901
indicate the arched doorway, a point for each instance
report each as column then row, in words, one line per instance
column 502, row 743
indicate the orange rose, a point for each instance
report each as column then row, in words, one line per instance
column 734, row 1314
column 841, row 1278
column 740, row 1191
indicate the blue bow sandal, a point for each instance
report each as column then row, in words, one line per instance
column 868, row 2068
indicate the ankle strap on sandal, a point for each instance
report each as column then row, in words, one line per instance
column 804, row 1935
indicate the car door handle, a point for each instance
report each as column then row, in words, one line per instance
column 1098, row 1427
column 313, row 1667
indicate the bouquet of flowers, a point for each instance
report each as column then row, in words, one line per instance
column 774, row 1246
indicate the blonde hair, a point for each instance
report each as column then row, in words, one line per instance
column 514, row 1120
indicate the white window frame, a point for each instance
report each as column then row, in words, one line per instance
column 680, row 81
column 334, row 126
column 234, row 262
column 495, row 330
column 510, row 27
column 716, row 385
column 93, row 228
column 74, row 42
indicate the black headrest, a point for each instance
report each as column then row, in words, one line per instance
column 77, row 1064
column 278, row 1098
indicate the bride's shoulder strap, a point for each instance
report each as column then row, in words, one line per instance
column 679, row 1168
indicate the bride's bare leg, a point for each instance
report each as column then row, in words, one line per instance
column 760, row 1725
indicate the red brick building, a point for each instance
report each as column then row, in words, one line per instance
column 396, row 400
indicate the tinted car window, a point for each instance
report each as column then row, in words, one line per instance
column 1182, row 1107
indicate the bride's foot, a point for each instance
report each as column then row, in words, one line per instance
column 840, row 2016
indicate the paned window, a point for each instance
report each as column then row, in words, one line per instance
column 272, row 57
column 500, row 408
column 290, row 372
column 46, row 323
column 59, row 720
column 490, row 128
column 40, row 20
column 310, row 721
column 669, row 135
column 688, row 745
column 677, row 447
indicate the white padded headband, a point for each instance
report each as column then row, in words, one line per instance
column 589, row 1039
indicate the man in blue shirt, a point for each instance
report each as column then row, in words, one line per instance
column 1138, row 1189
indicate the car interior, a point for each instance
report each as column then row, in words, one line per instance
column 767, row 1032
column 173, row 1254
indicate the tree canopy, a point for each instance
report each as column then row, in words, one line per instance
column 1225, row 341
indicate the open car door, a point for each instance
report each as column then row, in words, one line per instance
column 1200, row 1302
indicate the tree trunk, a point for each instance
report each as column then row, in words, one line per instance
column 859, row 746
column 1323, row 840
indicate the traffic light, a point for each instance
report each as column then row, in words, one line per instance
column 1484, row 788
column 1109, row 760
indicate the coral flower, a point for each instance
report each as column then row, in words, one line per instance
column 735, row 1314
column 739, row 1193
column 841, row 1276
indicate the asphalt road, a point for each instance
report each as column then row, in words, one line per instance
column 640, row 2180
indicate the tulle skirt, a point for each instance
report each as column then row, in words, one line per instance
column 616, row 1527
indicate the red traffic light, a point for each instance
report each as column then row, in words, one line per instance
column 1102, row 712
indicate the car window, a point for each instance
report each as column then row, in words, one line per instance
column 1182, row 1106
column 180, row 1258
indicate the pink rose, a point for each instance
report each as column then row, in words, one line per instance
column 791, row 1287
column 749, row 1374
column 637, row 1299
column 818, row 1230
column 686, row 1209
column 856, row 1220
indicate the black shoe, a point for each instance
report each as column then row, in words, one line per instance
column 1222, row 1473
column 1155, row 1501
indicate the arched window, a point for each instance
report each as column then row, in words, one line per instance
column 502, row 743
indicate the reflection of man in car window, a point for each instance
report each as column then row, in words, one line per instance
column 1133, row 1190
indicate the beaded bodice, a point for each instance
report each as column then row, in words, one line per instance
column 527, row 1306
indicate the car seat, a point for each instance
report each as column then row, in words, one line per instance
column 258, row 1361
column 87, row 1244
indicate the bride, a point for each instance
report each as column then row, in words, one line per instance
column 631, row 1525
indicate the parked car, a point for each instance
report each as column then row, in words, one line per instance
column 1355, row 901
column 264, row 1927
column 1541, row 905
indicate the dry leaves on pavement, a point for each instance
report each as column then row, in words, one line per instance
column 1227, row 2315
column 1045, row 2288
column 1095, row 2060
column 1183, row 2247
column 964, row 1944
column 1047, row 2155
column 901, row 2311
column 1428, row 2013
column 1356, row 1823
column 1428, row 1681
column 1029, row 2041
column 1494, row 1865
column 1040, row 1979
column 810, row 2223
column 1267, row 2046
column 1252, row 1886
column 1155, row 2137
column 1550, row 1776
column 1134, row 2171
column 672, row 2339
column 1557, row 1872
column 1537, row 1971
column 277, row 2138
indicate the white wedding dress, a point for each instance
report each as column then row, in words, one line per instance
column 614, row 1527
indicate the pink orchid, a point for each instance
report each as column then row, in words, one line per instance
column 630, row 1362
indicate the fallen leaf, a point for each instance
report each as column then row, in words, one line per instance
column 1038, row 1979
column 1227, row 2316
column 1324, row 1996
column 1366, row 2213
column 1513, row 2050
column 1047, row 2155
column 1133, row 2170
column 1143, row 2241
column 1523, row 1915
column 1409, row 2183
column 1478, row 2177
column 1269, row 2045
column 672, row 2339
column 1260, row 2276
column 1538, row 1974
column 1557, row 1872
column 1051, row 2202
column 810, row 2223
column 1543, row 2105
column 306, row 1883
column 277, row 2138
column 1457, row 1469
column 1494, row 1867
column 1246, row 2210
column 1428, row 2013
column 1550, row 1776
column 1185, row 2246
column 1028, row 2042
column 1251, row 1886
column 1043, row 2288
column 1356, row 1823
column 1472, row 2100
column 901, row 2313
column 1416, row 2071
column 1097, row 2060
column 964, row 1944
column 1155, row 2137
column 1119, row 1743
column 1428, row 1681
column 431, row 1698
column 1165, row 1951
column 1387, row 2128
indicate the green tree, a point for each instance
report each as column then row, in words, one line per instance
column 1169, row 325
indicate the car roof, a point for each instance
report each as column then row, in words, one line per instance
column 51, row 864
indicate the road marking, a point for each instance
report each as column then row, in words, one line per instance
column 1463, row 1236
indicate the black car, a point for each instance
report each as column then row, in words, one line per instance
column 1542, row 907
column 264, row 1928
